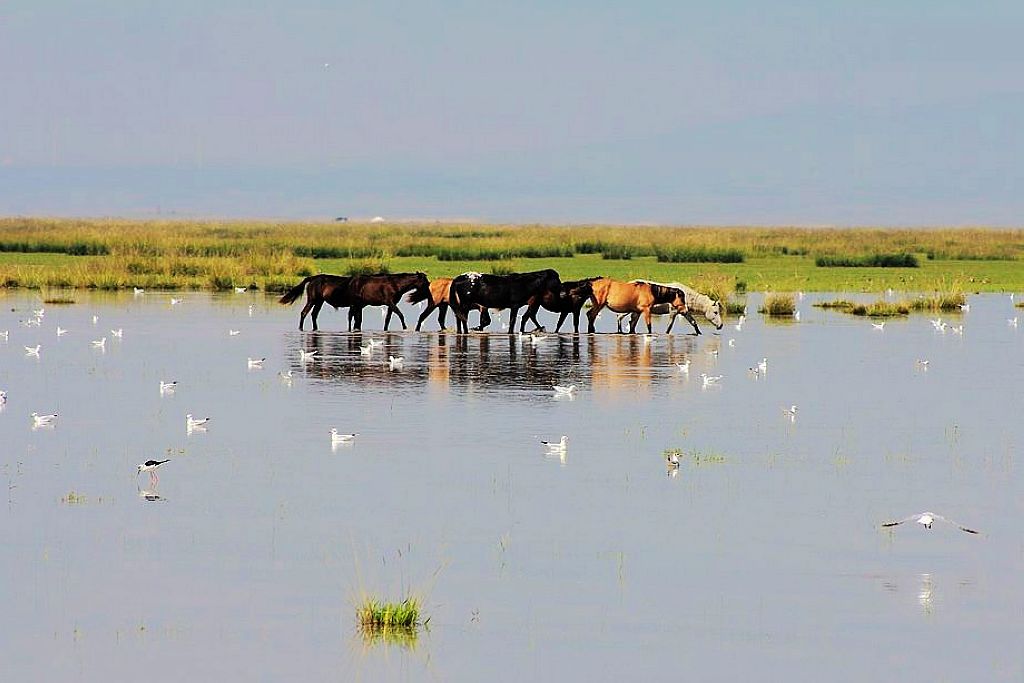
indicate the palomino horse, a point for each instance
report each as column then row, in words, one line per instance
column 569, row 298
column 437, row 297
column 382, row 290
column 320, row 289
column 500, row 291
column 695, row 301
column 633, row 297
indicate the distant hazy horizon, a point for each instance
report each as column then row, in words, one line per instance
column 738, row 113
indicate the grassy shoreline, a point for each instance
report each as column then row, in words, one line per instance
column 120, row 254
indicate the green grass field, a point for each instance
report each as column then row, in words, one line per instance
column 120, row 254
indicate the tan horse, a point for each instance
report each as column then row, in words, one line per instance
column 633, row 297
column 439, row 299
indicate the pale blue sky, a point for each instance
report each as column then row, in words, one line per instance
column 728, row 112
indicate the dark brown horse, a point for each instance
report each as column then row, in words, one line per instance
column 501, row 291
column 383, row 290
column 320, row 289
column 569, row 298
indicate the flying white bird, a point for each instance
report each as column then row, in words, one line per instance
column 926, row 519
column 255, row 363
column 193, row 422
column 396, row 362
column 30, row 351
column 923, row 363
column 342, row 438
column 39, row 312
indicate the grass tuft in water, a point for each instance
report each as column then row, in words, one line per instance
column 776, row 304
column 374, row 614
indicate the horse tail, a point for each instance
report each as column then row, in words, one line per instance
column 295, row 292
column 419, row 294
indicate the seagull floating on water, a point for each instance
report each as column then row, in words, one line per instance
column 790, row 412
column 708, row 380
column 61, row 331
column 684, row 367
column 1012, row 322
column 240, row 290
column 138, row 291
column 307, row 356
column 732, row 343
column 366, row 350
column 957, row 329
column 396, row 362
column 194, row 422
column 119, row 332
column 100, row 343
column 672, row 459
column 286, row 375
column 557, row 447
column 33, row 351
column 3, row 397
column 234, row 333
column 762, row 366
column 39, row 312
column 923, row 363
column 926, row 519
column 43, row 420
column 95, row 319
column 151, row 467
column 336, row 437
column 167, row 387
column 5, row 335
column 878, row 326
column 564, row 391
column 965, row 307
column 255, row 363
column 796, row 316
column 175, row 302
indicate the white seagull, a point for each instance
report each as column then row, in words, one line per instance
column 239, row 290
column 958, row 329
column 95, row 319
column 43, row 420
column 926, row 519
column 790, row 412
column 878, row 326
column 923, row 363
column 234, row 333
column 336, row 437
column 684, row 367
column 366, row 350
column 762, row 366
column 30, row 351
column 396, row 362
column 1012, row 322
column 119, row 332
column 732, row 343
column 796, row 316
column 708, row 380
column 376, row 342
column 100, row 343
column 61, row 331
column 167, row 387
column 6, row 334
column 965, row 307
column 564, row 391
column 285, row 375
column 39, row 312
column 256, row 363
column 175, row 302
column 307, row 356
column 672, row 460
column 193, row 422
column 557, row 447
column 138, row 291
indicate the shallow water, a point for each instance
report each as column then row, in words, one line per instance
column 762, row 559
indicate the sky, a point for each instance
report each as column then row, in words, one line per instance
column 730, row 112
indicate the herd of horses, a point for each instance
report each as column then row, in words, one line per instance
column 483, row 292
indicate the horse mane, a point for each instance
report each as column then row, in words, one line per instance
column 695, row 301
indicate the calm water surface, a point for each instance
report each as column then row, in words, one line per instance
column 762, row 559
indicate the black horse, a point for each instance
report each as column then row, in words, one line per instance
column 320, row 289
column 501, row 291
column 382, row 290
column 568, row 298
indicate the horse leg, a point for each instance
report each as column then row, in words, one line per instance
column 423, row 316
column 576, row 321
column 647, row 319
column 401, row 318
column 305, row 311
column 689, row 317
column 671, row 322
column 561, row 319
column 485, row 319
column 442, row 313
column 316, row 311
column 592, row 316
column 512, row 322
column 633, row 318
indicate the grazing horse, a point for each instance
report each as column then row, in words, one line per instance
column 569, row 298
column 501, row 291
column 437, row 297
column 633, row 297
column 320, row 289
column 695, row 301
column 382, row 290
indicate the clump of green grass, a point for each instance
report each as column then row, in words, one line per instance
column 621, row 252
column 881, row 309
column 735, row 307
column 503, row 268
column 707, row 458
column 869, row 261
column 941, row 301
column 367, row 267
column 697, row 255
column 380, row 615
column 841, row 304
column 777, row 304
